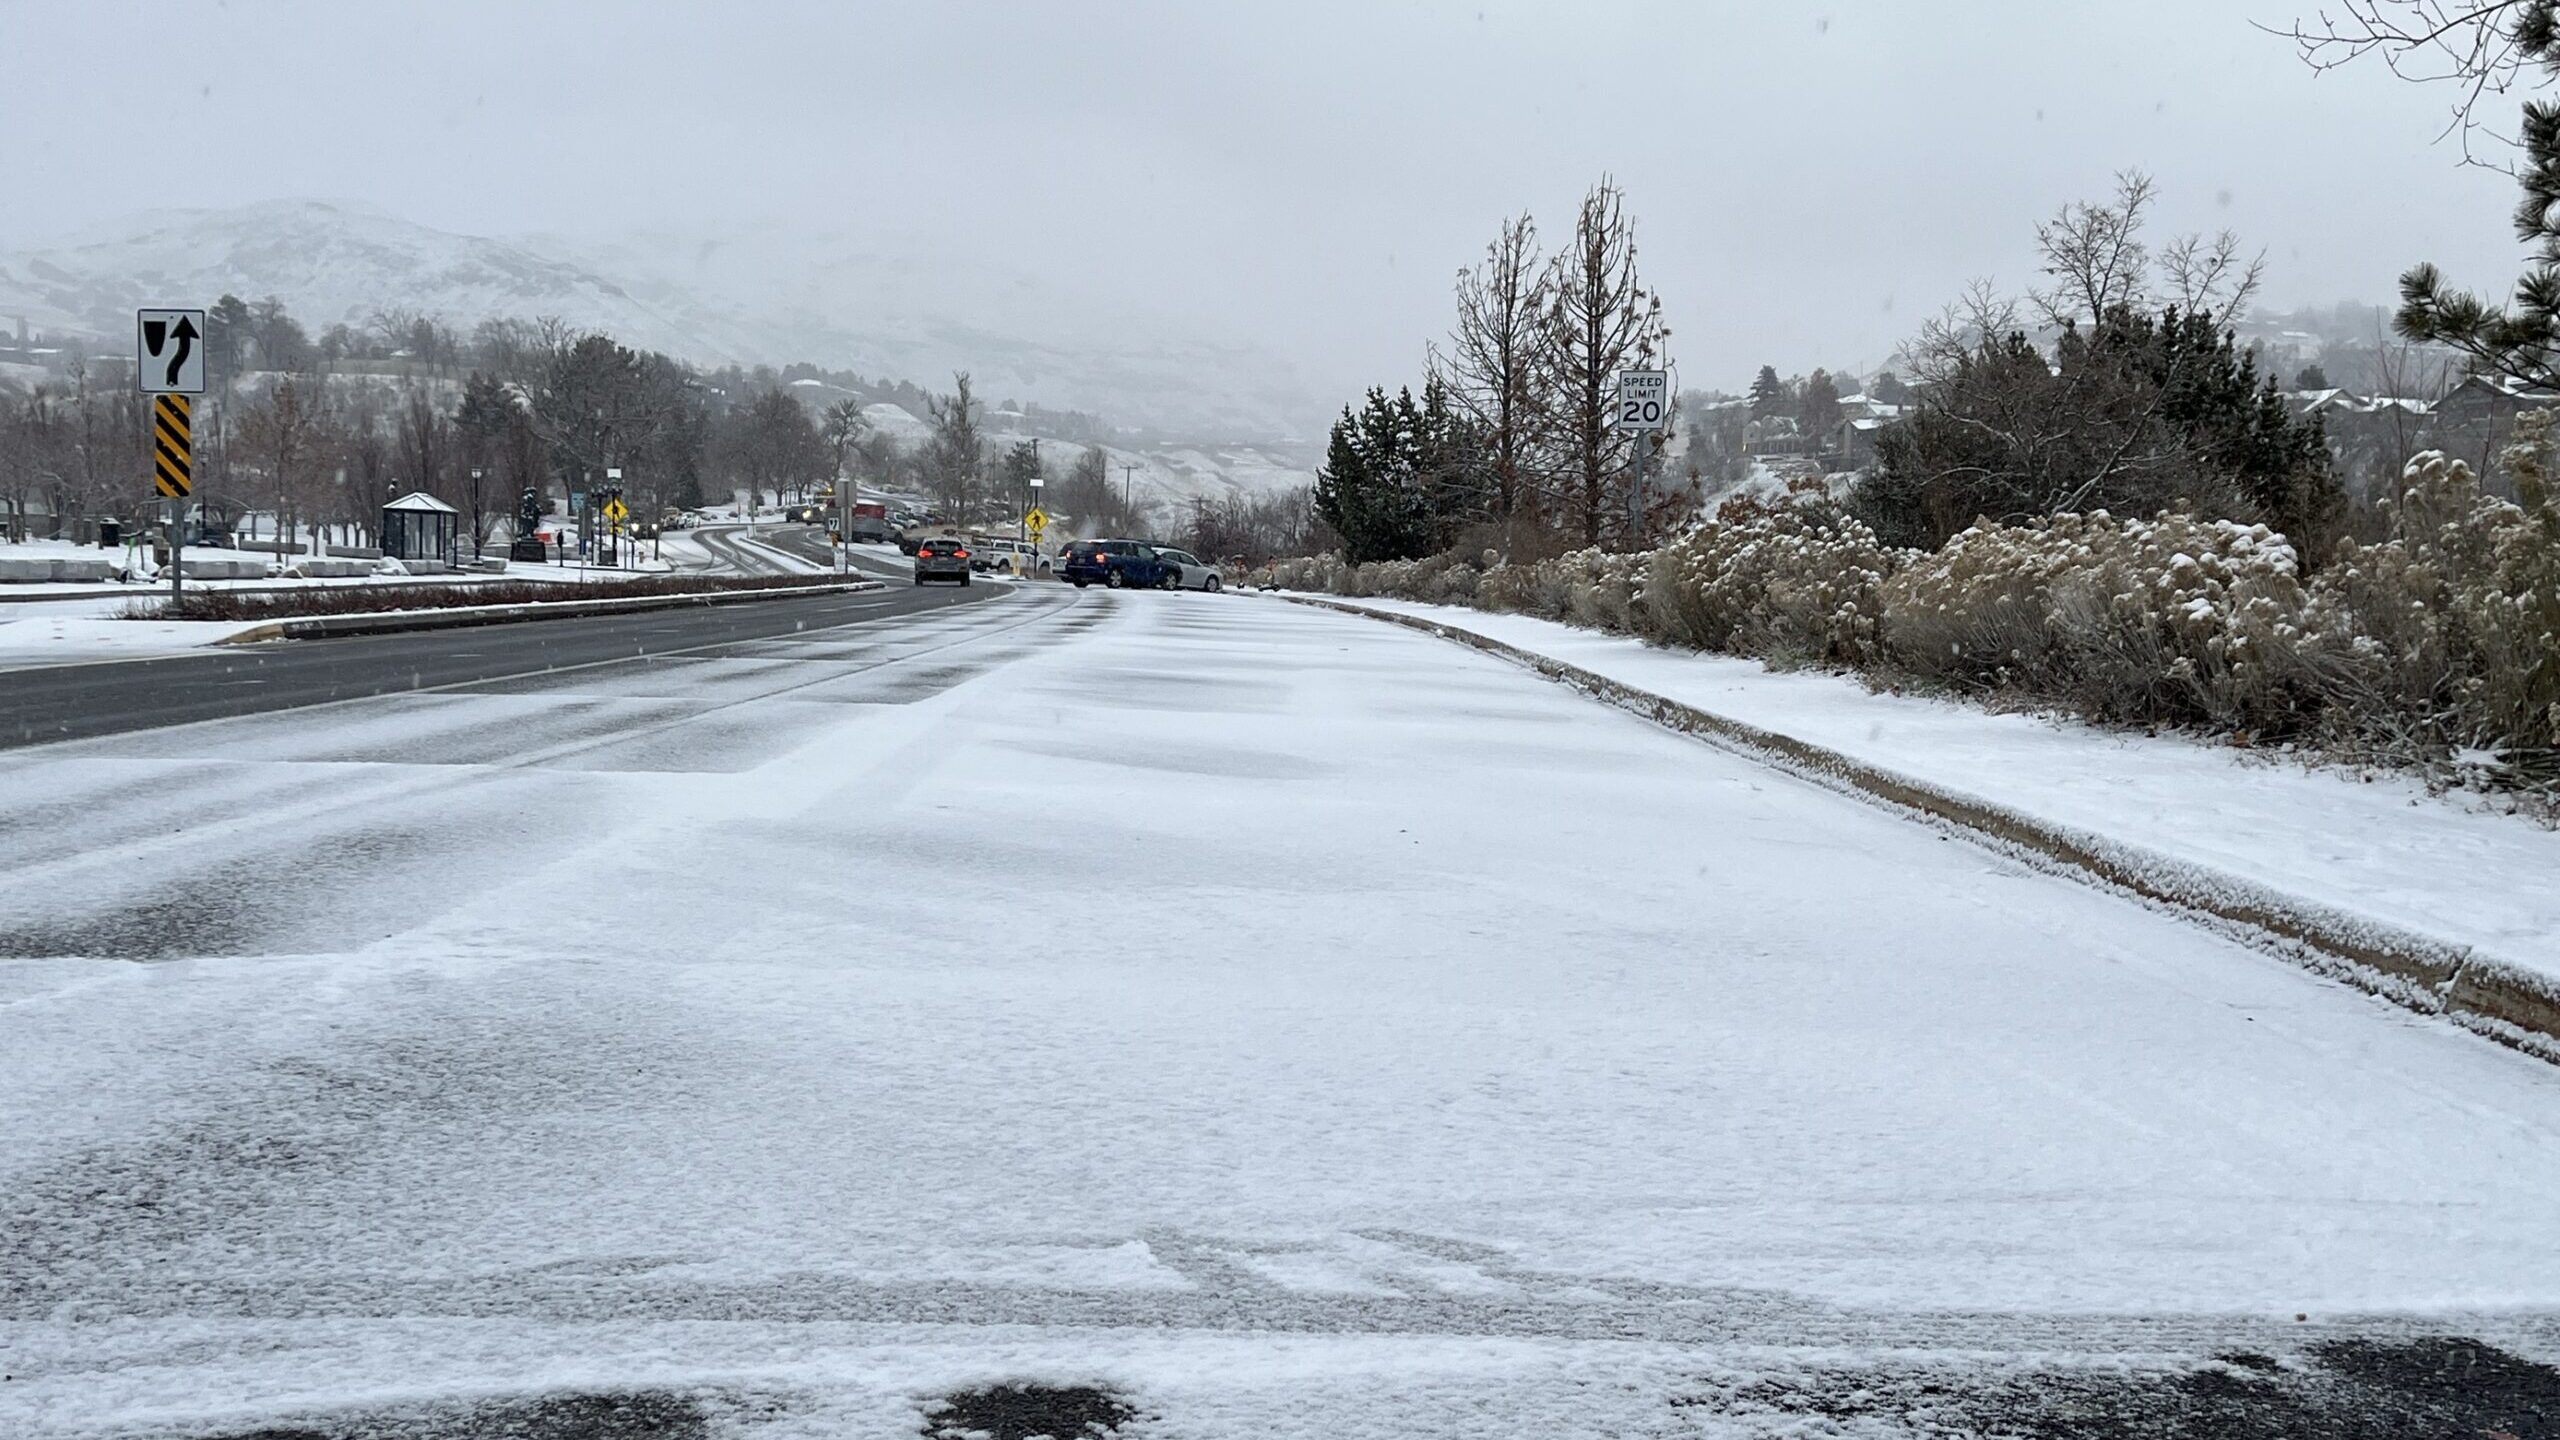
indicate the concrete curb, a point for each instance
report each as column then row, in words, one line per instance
column 392, row 622
column 2506, row 1002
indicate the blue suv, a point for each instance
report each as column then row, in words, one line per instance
column 1118, row 564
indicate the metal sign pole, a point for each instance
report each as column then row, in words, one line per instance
column 1635, row 515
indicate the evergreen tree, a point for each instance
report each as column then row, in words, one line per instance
column 1372, row 488
column 1454, row 464
column 2140, row 413
column 2311, row 377
column 1818, row 407
column 1768, row 393
column 2493, row 47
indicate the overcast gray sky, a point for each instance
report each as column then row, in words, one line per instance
column 1808, row 180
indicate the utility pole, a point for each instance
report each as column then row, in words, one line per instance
column 1022, row 509
column 1128, row 505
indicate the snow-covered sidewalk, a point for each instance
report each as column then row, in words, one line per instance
column 2377, row 846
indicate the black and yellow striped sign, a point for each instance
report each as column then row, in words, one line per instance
column 173, row 451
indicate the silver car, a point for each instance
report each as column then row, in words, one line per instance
column 1186, row 571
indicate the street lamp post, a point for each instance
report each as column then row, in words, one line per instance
column 475, row 514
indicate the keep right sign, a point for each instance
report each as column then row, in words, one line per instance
column 1644, row 400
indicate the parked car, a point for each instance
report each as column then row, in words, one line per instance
column 942, row 557
column 1117, row 564
column 1190, row 572
column 922, row 531
column 988, row 553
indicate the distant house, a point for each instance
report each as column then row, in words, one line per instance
column 2474, row 421
column 1853, row 446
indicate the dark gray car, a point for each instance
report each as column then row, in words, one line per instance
column 942, row 558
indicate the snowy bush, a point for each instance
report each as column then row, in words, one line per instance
column 1794, row 580
column 2173, row 620
column 1586, row 587
column 2440, row 645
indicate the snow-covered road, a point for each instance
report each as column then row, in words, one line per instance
column 1285, row 1023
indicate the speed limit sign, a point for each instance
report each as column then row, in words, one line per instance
column 1644, row 400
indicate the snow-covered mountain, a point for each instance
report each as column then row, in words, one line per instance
column 753, row 299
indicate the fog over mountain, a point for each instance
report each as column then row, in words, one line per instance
column 745, row 300
column 1223, row 215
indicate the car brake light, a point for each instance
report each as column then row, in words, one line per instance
column 959, row 554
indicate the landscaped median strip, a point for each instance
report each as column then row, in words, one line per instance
column 389, row 622
column 2505, row 1002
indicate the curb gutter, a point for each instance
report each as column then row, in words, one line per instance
column 2505, row 1002
column 392, row 622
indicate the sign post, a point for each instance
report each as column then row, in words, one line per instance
column 846, row 490
column 615, row 512
column 1643, row 406
column 1035, row 523
column 168, row 365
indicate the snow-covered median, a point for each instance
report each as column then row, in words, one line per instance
column 2378, row 846
column 78, row 632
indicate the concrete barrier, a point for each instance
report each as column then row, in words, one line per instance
column 2508, row 1003
column 394, row 622
column 356, row 552
column 81, row 568
column 312, row 567
column 225, row 568
column 21, row 570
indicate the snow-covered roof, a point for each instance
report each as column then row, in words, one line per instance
column 423, row 503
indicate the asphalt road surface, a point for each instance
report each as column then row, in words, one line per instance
column 1175, row 1015
column 69, row 702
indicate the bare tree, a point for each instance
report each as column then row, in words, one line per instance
column 955, row 457
column 281, row 433
column 1598, row 319
column 1493, row 361
column 31, row 438
column 425, row 440
column 2094, row 253
column 2201, row 274
column 844, row 430
column 1955, row 332
column 2477, row 48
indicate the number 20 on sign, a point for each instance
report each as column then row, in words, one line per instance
column 1643, row 401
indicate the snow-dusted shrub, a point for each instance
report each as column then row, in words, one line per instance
column 1585, row 587
column 2441, row 644
column 2173, row 620
column 1323, row 574
column 1792, row 579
